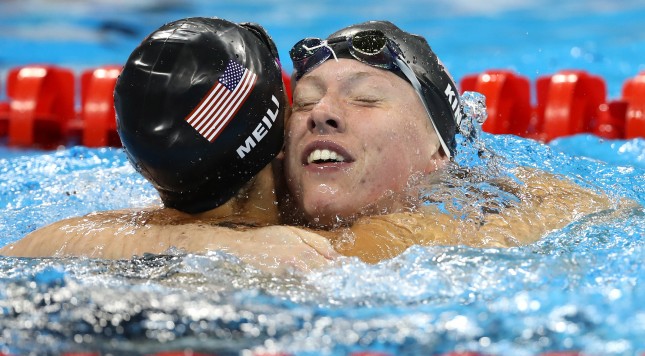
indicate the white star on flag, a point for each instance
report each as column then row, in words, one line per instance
column 223, row 100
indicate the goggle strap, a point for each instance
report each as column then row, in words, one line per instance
column 323, row 43
column 407, row 71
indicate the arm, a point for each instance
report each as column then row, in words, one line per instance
column 376, row 238
column 119, row 235
column 547, row 202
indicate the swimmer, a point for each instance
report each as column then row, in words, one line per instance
column 374, row 119
column 375, row 114
column 200, row 109
column 373, row 107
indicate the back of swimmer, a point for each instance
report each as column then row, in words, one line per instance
column 200, row 107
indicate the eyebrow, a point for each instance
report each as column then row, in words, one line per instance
column 361, row 75
column 319, row 82
column 314, row 80
column 366, row 80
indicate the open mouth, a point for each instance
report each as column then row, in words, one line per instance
column 324, row 156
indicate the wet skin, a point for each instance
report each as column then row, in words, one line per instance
column 356, row 137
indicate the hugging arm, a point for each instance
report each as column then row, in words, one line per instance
column 121, row 236
column 546, row 203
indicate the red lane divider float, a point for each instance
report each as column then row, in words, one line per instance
column 41, row 103
column 634, row 95
column 40, row 109
column 508, row 100
column 98, row 120
column 4, row 114
column 568, row 102
column 611, row 120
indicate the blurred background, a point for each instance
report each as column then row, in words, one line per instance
column 531, row 37
column 580, row 289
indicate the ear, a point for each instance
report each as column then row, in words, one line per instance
column 437, row 161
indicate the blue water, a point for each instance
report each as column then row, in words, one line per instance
column 580, row 288
column 532, row 37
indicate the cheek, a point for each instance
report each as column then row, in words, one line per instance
column 292, row 127
column 293, row 131
column 291, row 159
column 393, row 137
column 389, row 163
column 400, row 150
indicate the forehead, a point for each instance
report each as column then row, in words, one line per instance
column 351, row 72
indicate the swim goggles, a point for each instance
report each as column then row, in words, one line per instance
column 371, row 47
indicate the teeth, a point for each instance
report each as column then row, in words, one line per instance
column 325, row 155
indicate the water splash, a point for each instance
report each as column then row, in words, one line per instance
column 580, row 288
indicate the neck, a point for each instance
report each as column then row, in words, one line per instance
column 254, row 204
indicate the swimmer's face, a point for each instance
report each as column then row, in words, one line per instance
column 356, row 134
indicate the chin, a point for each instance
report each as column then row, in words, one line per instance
column 328, row 215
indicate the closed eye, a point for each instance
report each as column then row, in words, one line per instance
column 368, row 101
column 303, row 105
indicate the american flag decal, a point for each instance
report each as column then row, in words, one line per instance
column 223, row 100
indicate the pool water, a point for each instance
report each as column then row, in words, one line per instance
column 578, row 289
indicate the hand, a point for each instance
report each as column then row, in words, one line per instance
column 279, row 248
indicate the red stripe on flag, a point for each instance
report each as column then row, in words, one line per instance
column 230, row 109
column 212, row 109
column 219, row 106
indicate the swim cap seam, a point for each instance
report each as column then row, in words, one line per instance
column 163, row 46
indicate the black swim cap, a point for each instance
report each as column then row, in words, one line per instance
column 200, row 109
column 439, row 90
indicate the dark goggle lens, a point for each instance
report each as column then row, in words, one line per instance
column 371, row 47
column 300, row 51
column 369, row 42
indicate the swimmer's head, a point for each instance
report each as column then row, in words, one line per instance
column 384, row 45
column 200, row 107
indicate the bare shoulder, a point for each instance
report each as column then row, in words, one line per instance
column 78, row 233
column 546, row 202
column 540, row 188
column 115, row 221
column 380, row 237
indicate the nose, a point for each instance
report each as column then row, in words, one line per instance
column 323, row 120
